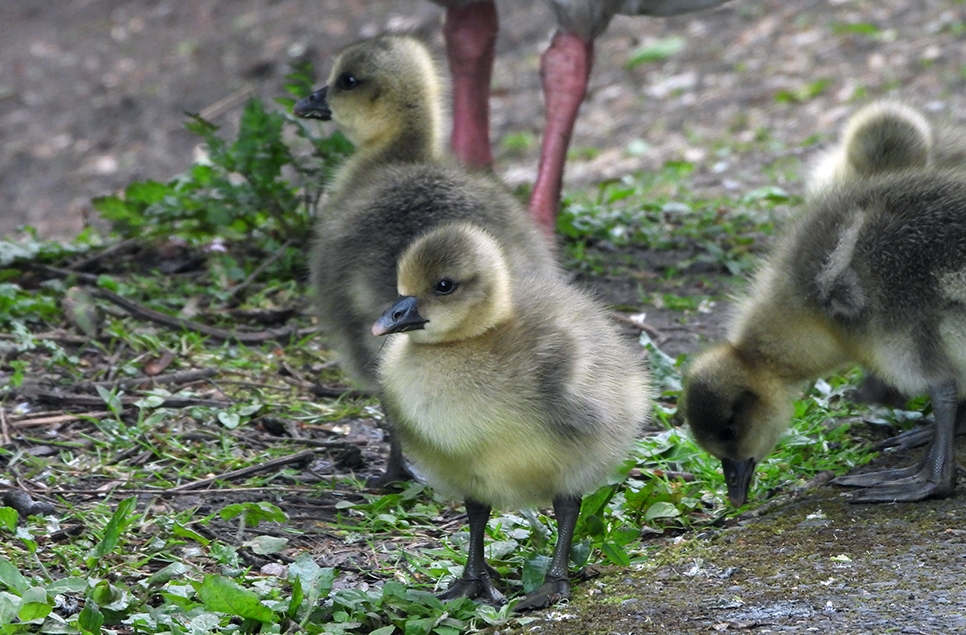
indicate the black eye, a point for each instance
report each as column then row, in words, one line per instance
column 728, row 433
column 444, row 287
column 347, row 81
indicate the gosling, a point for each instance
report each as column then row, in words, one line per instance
column 873, row 272
column 887, row 136
column 386, row 95
column 507, row 391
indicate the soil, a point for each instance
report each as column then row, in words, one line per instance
column 92, row 96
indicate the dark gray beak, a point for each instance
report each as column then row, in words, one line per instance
column 314, row 106
column 401, row 317
column 738, row 475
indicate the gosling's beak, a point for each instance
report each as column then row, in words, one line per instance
column 738, row 476
column 314, row 106
column 400, row 317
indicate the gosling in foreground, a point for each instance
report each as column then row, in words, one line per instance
column 385, row 94
column 873, row 272
column 506, row 390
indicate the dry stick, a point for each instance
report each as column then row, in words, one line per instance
column 246, row 471
column 179, row 323
column 64, row 418
column 63, row 273
column 641, row 326
column 225, row 104
column 171, row 492
column 241, row 286
column 90, row 400
column 4, row 430
column 183, row 377
column 113, row 249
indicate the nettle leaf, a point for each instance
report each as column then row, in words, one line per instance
column 90, row 619
column 221, row 594
column 35, row 606
column 119, row 521
column 12, row 578
column 8, row 518
column 264, row 545
column 254, row 513
column 661, row 509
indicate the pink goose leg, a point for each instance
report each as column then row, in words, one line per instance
column 470, row 33
column 564, row 70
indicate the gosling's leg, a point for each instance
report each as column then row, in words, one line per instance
column 564, row 71
column 396, row 469
column 476, row 581
column 470, row 33
column 935, row 476
column 556, row 584
column 918, row 436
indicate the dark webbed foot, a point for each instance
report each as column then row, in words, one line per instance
column 548, row 594
column 934, row 476
column 481, row 588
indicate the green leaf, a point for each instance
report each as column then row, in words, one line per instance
column 8, row 518
column 661, row 509
column 112, row 399
column 71, row 584
column 655, row 52
column 183, row 532
column 616, row 554
column 35, row 605
column 295, row 602
column 265, row 545
column 11, row 577
column 90, row 618
column 385, row 630
column 9, row 607
column 221, row 594
column 163, row 576
column 119, row 521
column 254, row 513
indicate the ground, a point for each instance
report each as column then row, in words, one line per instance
column 92, row 96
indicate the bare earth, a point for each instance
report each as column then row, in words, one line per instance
column 92, row 96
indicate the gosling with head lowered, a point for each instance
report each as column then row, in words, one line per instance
column 386, row 96
column 507, row 389
column 874, row 272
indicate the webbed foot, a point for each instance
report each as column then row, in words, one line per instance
column 481, row 588
column 547, row 594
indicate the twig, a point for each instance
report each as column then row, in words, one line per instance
column 257, row 337
column 73, row 399
column 4, row 430
column 183, row 377
column 820, row 479
column 225, row 104
column 247, row 471
column 319, row 390
column 64, row 273
column 315, row 443
column 241, row 286
column 113, row 249
column 64, row 418
column 171, row 492
column 640, row 326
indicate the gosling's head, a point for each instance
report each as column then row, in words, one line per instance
column 377, row 89
column 454, row 284
column 736, row 412
column 887, row 136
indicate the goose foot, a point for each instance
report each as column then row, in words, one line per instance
column 548, row 594
column 481, row 588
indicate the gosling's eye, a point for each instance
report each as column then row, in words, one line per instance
column 347, row 81
column 444, row 287
column 728, row 433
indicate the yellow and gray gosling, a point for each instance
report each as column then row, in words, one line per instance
column 887, row 136
column 386, row 96
column 874, row 272
column 508, row 389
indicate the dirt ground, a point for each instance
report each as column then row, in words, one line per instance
column 92, row 96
